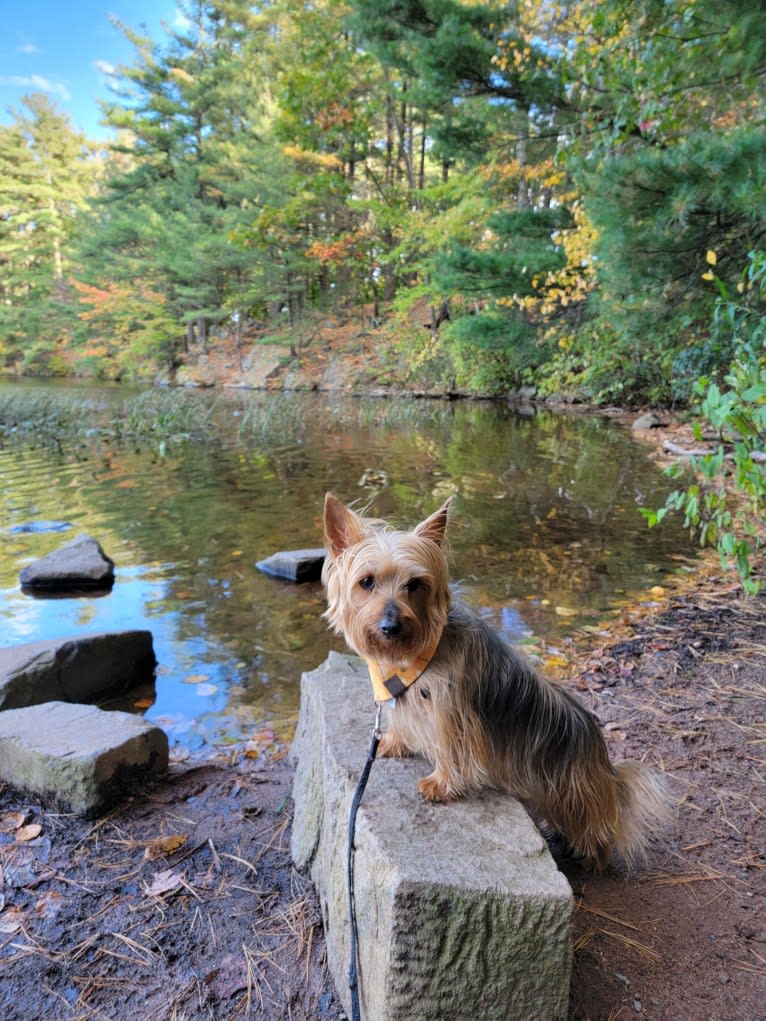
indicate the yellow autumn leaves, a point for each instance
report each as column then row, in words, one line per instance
column 712, row 260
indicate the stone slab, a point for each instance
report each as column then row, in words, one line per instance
column 80, row 564
column 294, row 565
column 78, row 669
column 462, row 913
column 78, row 756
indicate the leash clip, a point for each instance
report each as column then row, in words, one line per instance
column 377, row 733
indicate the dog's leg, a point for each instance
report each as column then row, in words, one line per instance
column 393, row 747
column 435, row 788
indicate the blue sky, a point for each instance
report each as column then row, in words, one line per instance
column 67, row 50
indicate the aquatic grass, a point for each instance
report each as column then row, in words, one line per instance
column 168, row 416
column 164, row 417
column 50, row 419
column 67, row 421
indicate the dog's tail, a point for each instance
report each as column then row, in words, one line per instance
column 644, row 809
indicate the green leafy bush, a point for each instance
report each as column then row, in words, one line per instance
column 725, row 504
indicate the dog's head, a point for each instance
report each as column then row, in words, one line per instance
column 387, row 591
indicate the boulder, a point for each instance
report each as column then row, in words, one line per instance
column 78, row 669
column 644, row 422
column 462, row 913
column 78, row 756
column 294, row 565
column 80, row 564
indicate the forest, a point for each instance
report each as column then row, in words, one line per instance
column 575, row 193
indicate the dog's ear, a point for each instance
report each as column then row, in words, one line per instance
column 342, row 527
column 435, row 527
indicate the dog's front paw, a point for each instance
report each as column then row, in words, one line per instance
column 433, row 788
column 391, row 747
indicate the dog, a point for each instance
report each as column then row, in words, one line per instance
column 469, row 702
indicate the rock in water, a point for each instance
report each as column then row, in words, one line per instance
column 294, row 565
column 80, row 564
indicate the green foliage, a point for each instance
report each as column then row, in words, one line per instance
column 556, row 173
column 46, row 175
column 725, row 508
column 670, row 154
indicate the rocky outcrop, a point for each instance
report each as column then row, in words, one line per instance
column 462, row 913
column 294, row 565
column 78, row 669
column 78, row 756
column 80, row 564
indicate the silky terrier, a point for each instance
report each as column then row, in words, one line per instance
column 469, row 702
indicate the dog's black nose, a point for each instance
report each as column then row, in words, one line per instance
column 389, row 623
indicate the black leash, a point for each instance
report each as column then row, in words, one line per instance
column 353, row 975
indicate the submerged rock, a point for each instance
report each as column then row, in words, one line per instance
column 40, row 526
column 80, row 564
column 294, row 565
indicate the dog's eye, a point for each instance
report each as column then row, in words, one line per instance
column 367, row 583
column 413, row 585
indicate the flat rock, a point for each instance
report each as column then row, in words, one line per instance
column 78, row 669
column 294, row 565
column 462, row 913
column 80, row 564
column 78, row 756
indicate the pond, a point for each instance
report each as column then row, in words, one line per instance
column 545, row 537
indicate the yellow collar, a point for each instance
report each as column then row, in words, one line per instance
column 395, row 682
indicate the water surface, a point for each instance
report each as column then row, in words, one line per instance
column 545, row 532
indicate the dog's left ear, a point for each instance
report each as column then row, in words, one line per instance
column 342, row 527
column 435, row 527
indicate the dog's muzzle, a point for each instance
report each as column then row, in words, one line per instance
column 390, row 623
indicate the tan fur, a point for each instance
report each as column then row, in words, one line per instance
column 479, row 712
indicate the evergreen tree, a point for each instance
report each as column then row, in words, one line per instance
column 188, row 116
column 46, row 174
column 673, row 166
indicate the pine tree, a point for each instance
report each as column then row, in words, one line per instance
column 673, row 163
column 46, row 173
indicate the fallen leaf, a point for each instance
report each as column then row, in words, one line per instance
column 552, row 662
column 30, row 832
column 10, row 920
column 657, row 591
column 49, row 904
column 11, row 821
column 163, row 847
column 566, row 611
column 195, row 678
column 20, row 862
column 206, row 689
column 167, row 881
column 259, row 742
column 143, row 703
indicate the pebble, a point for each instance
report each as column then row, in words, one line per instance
column 637, row 1006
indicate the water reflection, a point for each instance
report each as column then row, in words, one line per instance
column 545, row 531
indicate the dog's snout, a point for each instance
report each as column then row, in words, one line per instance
column 390, row 623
